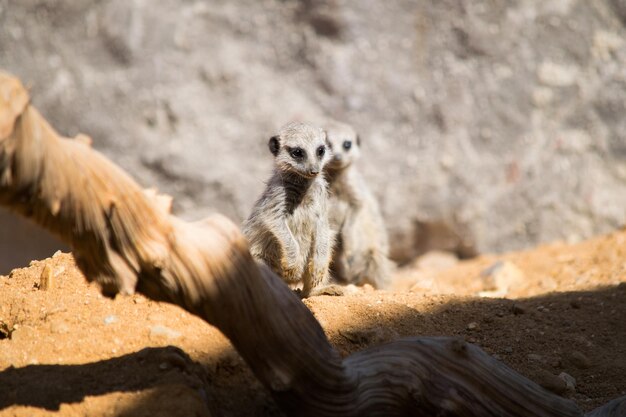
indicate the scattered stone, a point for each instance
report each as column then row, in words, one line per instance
column 368, row 336
column 472, row 326
column 367, row 288
column 59, row 327
column 163, row 331
column 46, row 280
column 570, row 381
column 508, row 349
column 424, row 283
column 580, row 360
column 351, row 289
column 551, row 382
column 534, row 357
column 518, row 309
column 435, row 260
column 555, row 362
column 110, row 319
column 500, row 278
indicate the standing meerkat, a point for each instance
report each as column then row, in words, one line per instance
column 361, row 250
column 288, row 228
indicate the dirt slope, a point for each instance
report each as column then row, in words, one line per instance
column 69, row 351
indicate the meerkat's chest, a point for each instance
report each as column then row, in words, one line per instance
column 338, row 209
column 304, row 218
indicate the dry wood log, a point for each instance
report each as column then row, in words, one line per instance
column 127, row 241
column 615, row 408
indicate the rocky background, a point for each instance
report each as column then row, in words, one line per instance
column 488, row 125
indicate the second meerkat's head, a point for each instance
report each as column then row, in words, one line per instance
column 345, row 144
column 300, row 148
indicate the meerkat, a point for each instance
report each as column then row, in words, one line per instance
column 288, row 229
column 361, row 249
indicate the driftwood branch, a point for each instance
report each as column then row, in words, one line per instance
column 127, row 241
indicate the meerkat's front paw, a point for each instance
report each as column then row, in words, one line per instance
column 292, row 271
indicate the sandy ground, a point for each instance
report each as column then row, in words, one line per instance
column 554, row 310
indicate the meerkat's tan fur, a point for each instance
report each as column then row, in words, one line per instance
column 288, row 229
column 361, row 251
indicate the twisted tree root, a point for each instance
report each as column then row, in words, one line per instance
column 127, row 241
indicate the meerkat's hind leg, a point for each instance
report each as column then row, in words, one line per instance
column 332, row 289
column 377, row 271
column 315, row 282
column 339, row 266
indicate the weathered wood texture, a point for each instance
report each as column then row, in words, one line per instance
column 126, row 240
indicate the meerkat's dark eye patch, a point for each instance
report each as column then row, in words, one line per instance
column 297, row 153
column 321, row 151
column 347, row 144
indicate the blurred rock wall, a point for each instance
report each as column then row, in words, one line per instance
column 488, row 125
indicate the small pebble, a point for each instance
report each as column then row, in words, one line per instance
column 555, row 362
column 570, row 381
column 534, row 357
column 517, row 309
column 473, row 325
column 110, row 319
column 551, row 382
column 580, row 360
column 59, row 327
column 163, row 331
column 373, row 335
column 46, row 280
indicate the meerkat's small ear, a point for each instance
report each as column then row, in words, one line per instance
column 274, row 145
column 358, row 139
